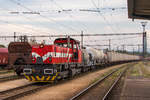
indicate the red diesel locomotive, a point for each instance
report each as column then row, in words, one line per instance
column 52, row 62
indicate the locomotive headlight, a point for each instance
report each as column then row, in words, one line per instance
column 27, row 71
column 48, row 71
column 33, row 59
column 42, row 45
column 50, row 58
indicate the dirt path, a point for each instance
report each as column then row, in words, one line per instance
column 68, row 89
column 136, row 89
column 12, row 84
column 7, row 74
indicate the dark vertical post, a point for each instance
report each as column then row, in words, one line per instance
column 144, row 44
column 14, row 36
column 109, row 44
column 123, row 47
column 117, row 48
column 81, row 39
column 68, row 41
column 144, row 38
column 139, row 48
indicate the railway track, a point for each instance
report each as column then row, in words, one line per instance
column 10, row 78
column 108, row 93
column 17, row 92
column 6, row 71
column 95, row 86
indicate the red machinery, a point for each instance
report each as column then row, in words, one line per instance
column 3, row 56
column 52, row 62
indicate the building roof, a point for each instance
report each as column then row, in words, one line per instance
column 139, row 9
column 58, row 40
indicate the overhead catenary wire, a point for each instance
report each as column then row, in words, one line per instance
column 113, row 39
column 59, row 6
column 109, row 25
column 77, row 35
column 39, row 13
column 49, row 19
column 22, row 26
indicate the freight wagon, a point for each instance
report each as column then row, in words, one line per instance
column 3, row 57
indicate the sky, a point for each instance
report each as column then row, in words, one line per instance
column 55, row 17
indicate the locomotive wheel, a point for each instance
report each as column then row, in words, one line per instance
column 18, row 73
column 19, row 70
column 70, row 75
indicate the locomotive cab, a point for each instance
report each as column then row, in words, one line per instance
column 69, row 43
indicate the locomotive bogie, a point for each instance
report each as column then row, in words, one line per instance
column 41, row 73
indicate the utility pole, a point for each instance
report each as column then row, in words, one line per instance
column 133, row 50
column 68, row 41
column 117, row 48
column 123, row 47
column 144, row 38
column 81, row 39
column 144, row 44
column 14, row 36
column 139, row 48
column 109, row 44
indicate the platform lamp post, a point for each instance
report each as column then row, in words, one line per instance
column 81, row 39
column 144, row 38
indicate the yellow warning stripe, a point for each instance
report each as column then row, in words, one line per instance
column 54, row 77
column 27, row 77
column 42, row 79
column 33, row 79
column 48, row 78
column 38, row 78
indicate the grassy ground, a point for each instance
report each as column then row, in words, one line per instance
column 145, row 69
column 141, row 69
column 6, row 71
column 103, row 75
column 134, row 71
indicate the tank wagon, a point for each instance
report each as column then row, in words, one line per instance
column 63, row 59
column 3, row 57
column 115, row 57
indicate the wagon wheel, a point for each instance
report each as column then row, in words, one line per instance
column 19, row 70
